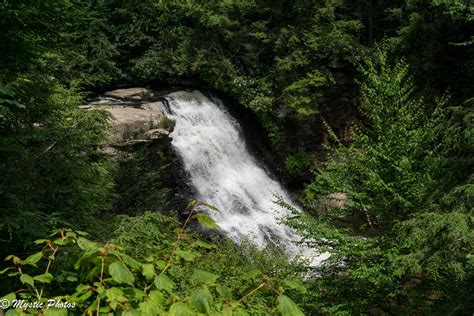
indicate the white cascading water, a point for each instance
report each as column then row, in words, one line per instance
column 225, row 174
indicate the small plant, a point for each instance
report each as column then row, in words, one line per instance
column 166, row 123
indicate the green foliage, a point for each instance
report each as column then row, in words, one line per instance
column 166, row 123
column 88, row 46
column 401, row 237
column 287, row 307
column 105, row 279
column 51, row 165
column 256, row 52
column 397, row 175
column 380, row 170
column 142, row 181
column 298, row 162
column 303, row 97
column 435, row 37
column 52, row 169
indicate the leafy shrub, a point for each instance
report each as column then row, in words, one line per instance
column 398, row 240
column 105, row 279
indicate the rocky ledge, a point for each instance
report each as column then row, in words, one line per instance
column 132, row 123
column 135, row 119
column 137, row 94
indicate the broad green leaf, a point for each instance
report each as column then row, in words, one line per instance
column 186, row 255
column 9, row 298
column 226, row 311
column 100, row 289
column 224, row 291
column 161, row 264
column 134, row 293
column 27, row 279
column 150, row 307
column 120, row 273
column 129, row 261
column 115, row 295
column 250, row 275
column 148, row 271
column 180, row 309
column 83, row 297
column 55, row 312
column 60, row 241
column 86, row 244
column 240, row 312
column 204, row 244
column 34, row 258
column 80, row 290
column 211, row 207
column 6, row 90
column 204, row 277
column 44, row 278
column 157, row 296
column 287, row 307
column 296, row 285
column 205, row 220
column 131, row 312
column 105, row 310
column 201, row 300
column 71, row 234
column 163, row 282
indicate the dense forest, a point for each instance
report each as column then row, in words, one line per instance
column 367, row 104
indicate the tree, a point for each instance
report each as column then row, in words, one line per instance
column 416, row 249
column 51, row 166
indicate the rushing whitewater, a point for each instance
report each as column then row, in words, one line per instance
column 225, row 174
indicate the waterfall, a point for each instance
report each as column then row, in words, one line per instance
column 225, row 174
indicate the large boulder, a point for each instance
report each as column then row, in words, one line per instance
column 132, row 123
column 134, row 120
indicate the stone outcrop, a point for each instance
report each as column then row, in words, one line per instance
column 134, row 119
column 130, row 122
column 137, row 94
column 139, row 141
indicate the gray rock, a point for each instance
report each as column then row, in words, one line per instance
column 130, row 93
column 130, row 122
column 335, row 200
column 156, row 133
